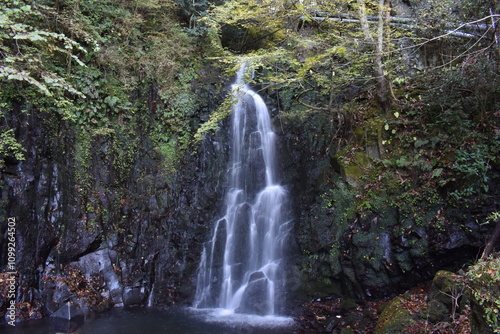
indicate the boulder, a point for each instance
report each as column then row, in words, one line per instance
column 133, row 296
column 447, row 288
column 67, row 319
column 253, row 301
column 437, row 311
column 394, row 318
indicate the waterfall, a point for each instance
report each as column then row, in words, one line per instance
column 241, row 266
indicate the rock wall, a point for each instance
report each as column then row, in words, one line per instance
column 102, row 219
column 374, row 254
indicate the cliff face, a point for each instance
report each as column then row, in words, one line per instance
column 377, row 251
column 102, row 221
column 102, row 217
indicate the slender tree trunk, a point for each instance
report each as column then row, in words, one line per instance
column 490, row 245
column 76, row 10
column 383, row 91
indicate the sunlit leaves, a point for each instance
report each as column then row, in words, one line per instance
column 9, row 146
column 27, row 47
column 11, row 73
column 224, row 110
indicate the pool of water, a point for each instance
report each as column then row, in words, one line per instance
column 175, row 321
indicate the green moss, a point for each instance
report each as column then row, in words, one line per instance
column 436, row 311
column 353, row 169
column 395, row 318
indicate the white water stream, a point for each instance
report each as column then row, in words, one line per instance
column 241, row 267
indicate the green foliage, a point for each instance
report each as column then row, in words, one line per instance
column 472, row 163
column 169, row 153
column 224, row 110
column 123, row 153
column 248, row 24
column 340, row 198
column 309, row 63
column 115, row 81
column 494, row 216
column 83, row 161
column 484, row 282
column 30, row 50
column 9, row 147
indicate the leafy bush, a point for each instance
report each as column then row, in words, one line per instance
column 484, row 279
column 9, row 147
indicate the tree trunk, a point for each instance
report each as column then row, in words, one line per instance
column 382, row 91
column 490, row 245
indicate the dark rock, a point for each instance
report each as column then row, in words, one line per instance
column 133, row 296
column 61, row 293
column 252, row 301
column 67, row 319
column 437, row 311
column 99, row 264
column 241, row 232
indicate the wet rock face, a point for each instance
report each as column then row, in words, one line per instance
column 67, row 319
column 252, row 302
column 96, row 235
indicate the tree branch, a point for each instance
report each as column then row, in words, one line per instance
column 490, row 245
column 310, row 105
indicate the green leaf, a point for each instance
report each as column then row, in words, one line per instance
column 437, row 172
column 111, row 100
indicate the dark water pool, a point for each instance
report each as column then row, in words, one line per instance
column 174, row 321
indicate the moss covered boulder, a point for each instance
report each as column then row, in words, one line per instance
column 395, row 318
column 484, row 290
column 447, row 287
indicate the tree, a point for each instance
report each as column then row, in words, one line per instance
column 383, row 87
column 495, row 236
column 27, row 48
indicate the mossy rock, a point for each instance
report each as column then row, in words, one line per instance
column 437, row 311
column 355, row 169
column 446, row 286
column 394, row 318
column 346, row 330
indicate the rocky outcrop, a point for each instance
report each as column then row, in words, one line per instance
column 102, row 218
column 102, row 221
column 339, row 252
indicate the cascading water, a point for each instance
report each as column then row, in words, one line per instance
column 241, row 265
